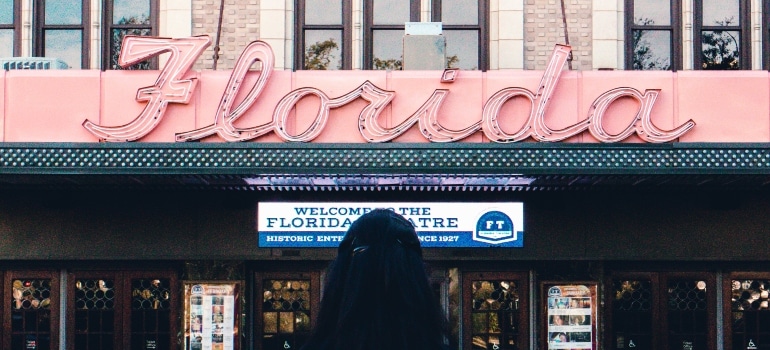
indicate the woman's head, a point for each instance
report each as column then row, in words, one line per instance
column 377, row 294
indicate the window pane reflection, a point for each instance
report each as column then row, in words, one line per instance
column 6, row 42
column 720, row 49
column 721, row 13
column 652, row 12
column 459, row 12
column 66, row 45
column 131, row 12
column 390, row 11
column 117, row 40
column 388, row 52
column 323, row 49
column 652, row 50
column 323, row 12
column 63, row 12
column 462, row 49
column 6, row 11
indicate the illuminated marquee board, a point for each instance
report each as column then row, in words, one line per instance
column 438, row 225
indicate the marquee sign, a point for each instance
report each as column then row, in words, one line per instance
column 175, row 85
column 438, row 225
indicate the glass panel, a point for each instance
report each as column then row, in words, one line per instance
column 94, row 314
column 459, row 12
column 687, row 314
column 495, row 315
column 323, row 12
column 632, row 314
column 286, row 313
column 6, row 42
column 63, row 12
column 388, row 49
column 6, row 11
column 720, row 49
column 462, row 49
column 751, row 314
column 117, row 39
column 150, row 313
column 323, row 49
column 652, row 12
column 390, row 12
column 131, row 12
column 65, row 44
column 652, row 49
column 31, row 314
column 721, row 13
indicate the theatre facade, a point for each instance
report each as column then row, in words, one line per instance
column 558, row 209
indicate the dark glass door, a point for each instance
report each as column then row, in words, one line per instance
column 494, row 309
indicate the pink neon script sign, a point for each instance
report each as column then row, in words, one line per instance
column 174, row 86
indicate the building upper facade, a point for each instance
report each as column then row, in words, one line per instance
column 367, row 34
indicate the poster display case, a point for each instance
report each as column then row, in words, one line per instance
column 570, row 310
column 212, row 315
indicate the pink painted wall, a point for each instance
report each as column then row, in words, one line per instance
column 50, row 106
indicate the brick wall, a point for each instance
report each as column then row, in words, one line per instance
column 543, row 28
column 240, row 26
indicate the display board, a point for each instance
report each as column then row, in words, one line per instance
column 211, row 315
column 570, row 315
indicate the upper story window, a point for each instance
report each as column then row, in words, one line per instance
column 127, row 17
column 61, row 31
column 720, row 34
column 384, row 31
column 654, row 31
column 9, row 28
column 721, row 31
column 766, row 33
column 464, row 24
column 323, row 34
column 324, row 31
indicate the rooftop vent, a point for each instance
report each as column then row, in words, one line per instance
column 15, row 63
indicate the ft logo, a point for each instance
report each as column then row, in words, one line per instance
column 494, row 227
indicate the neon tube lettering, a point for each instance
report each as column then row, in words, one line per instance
column 172, row 86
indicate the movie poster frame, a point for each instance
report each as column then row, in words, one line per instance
column 545, row 323
column 237, row 288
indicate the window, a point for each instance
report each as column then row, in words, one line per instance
column 127, row 17
column 766, row 30
column 721, row 31
column 653, row 27
column 384, row 31
column 62, row 32
column 323, row 34
column 464, row 24
column 9, row 28
column 720, row 35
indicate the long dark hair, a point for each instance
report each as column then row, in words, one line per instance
column 377, row 294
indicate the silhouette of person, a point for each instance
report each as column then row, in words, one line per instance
column 377, row 294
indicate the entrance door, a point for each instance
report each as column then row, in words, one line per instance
column 285, row 313
column 494, row 310
column 675, row 311
column 32, row 321
column 122, row 310
column 747, row 312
